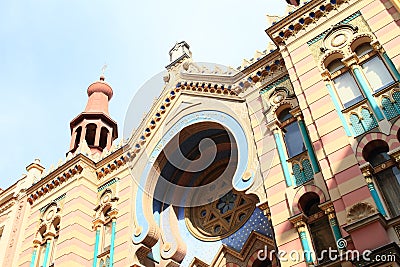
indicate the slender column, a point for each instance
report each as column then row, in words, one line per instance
column 391, row 66
column 307, row 142
column 330, row 211
column 109, row 139
column 113, row 224
column 367, row 92
column 302, row 230
column 33, row 259
column 47, row 252
column 367, row 172
column 282, row 156
column 338, row 109
column 97, row 135
column 96, row 245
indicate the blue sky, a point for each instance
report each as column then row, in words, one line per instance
column 50, row 51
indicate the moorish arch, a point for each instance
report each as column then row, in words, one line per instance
column 391, row 140
column 230, row 166
column 304, row 190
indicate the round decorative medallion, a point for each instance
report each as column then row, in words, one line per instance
column 339, row 40
column 220, row 218
column 49, row 215
column 278, row 98
column 105, row 198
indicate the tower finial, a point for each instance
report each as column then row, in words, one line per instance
column 103, row 70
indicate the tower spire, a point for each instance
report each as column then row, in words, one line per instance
column 94, row 124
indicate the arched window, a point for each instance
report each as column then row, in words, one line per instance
column 291, row 133
column 78, row 134
column 375, row 71
column 386, row 174
column 103, row 137
column 318, row 225
column 346, row 86
column 90, row 134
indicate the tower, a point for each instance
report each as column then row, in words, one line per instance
column 293, row 2
column 94, row 124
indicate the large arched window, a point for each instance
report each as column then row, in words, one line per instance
column 375, row 71
column 346, row 86
column 90, row 134
column 386, row 173
column 291, row 133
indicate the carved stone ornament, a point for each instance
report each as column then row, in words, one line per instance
column 359, row 211
column 339, row 36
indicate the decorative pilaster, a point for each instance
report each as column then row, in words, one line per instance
column 378, row 47
column 97, row 226
column 367, row 92
column 113, row 214
column 281, row 152
column 338, row 109
column 367, row 172
column 113, row 225
column 299, row 222
column 36, row 247
column 47, row 252
column 391, row 66
column 330, row 211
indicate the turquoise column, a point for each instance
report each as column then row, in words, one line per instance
column 375, row 196
column 96, row 246
column 309, row 146
column 391, row 66
column 333, row 222
column 338, row 109
column 335, row 229
column 368, row 94
column 306, row 246
column 282, row 157
column 112, row 243
column 33, row 259
column 46, row 255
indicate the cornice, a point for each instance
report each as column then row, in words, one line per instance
column 301, row 18
column 58, row 176
column 5, row 206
